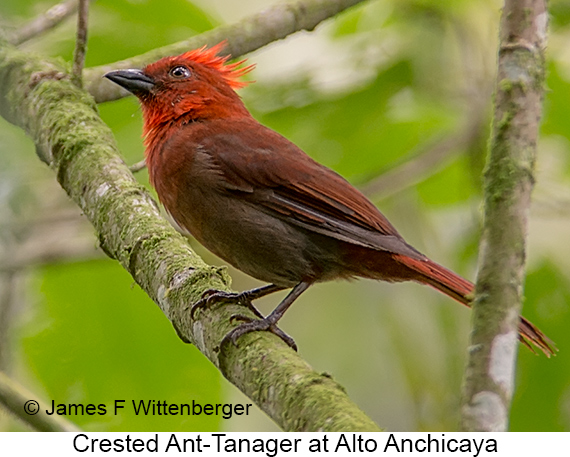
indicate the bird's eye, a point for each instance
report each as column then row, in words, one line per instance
column 180, row 72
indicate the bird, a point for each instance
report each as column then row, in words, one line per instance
column 259, row 202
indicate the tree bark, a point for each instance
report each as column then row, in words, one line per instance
column 509, row 179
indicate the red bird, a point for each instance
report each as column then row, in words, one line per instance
column 259, row 202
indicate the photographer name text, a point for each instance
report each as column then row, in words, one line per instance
column 151, row 408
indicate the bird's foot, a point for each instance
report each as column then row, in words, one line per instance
column 255, row 325
column 212, row 296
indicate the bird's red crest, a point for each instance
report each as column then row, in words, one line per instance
column 210, row 58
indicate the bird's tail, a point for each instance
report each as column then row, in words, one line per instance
column 460, row 289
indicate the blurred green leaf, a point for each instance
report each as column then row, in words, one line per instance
column 542, row 398
column 362, row 132
column 448, row 186
column 95, row 337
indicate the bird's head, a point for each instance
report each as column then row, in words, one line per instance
column 196, row 85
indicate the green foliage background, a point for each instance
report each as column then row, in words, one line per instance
column 368, row 91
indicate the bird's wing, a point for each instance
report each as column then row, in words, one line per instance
column 277, row 176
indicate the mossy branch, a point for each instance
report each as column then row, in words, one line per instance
column 509, row 179
column 38, row 96
column 254, row 32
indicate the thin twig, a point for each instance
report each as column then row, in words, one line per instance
column 44, row 22
column 23, row 404
column 39, row 252
column 8, row 281
column 254, row 32
column 80, row 43
column 58, row 235
column 426, row 162
column 136, row 167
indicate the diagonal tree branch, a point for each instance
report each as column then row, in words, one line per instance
column 509, row 180
column 426, row 162
column 250, row 34
column 8, row 284
column 21, row 403
column 44, row 22
column 38, row 96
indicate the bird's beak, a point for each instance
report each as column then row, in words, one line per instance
column 134, row 81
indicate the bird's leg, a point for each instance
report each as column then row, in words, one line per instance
column 268, row 323
column 245, row 298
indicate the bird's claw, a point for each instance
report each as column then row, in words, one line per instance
column 255, row 325
column 249, row 324
column 212, row 296
column 241, row 318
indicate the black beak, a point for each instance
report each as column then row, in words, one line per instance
column 134, row 81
